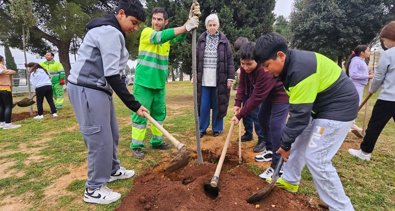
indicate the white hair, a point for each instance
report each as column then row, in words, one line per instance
column 212, row 17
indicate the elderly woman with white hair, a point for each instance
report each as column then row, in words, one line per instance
column 215, row 73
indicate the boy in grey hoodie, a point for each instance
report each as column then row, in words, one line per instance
column 92, row 80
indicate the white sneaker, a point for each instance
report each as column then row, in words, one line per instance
column 55, row 115
column 121, row 173
column 268, row 173
column 360, row 154
column 103, row 195
column 10, row 126
column 39, row 117
column 265, row 156
column 2, row 124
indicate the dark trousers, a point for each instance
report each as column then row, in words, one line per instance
column 41, row 92
column 5, row 106
column 272, row 118
column 382, row 112
column 250, row 121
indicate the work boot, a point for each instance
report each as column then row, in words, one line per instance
column 246, row 137
column 202, row 134
column 162, row 146
column 215, row 134
column 138, row 153
column 259, row 147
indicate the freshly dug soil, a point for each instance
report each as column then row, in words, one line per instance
column 183, row 190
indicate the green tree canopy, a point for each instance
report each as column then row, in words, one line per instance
column 9, row 59
column 334, row 27
column 281, row 26
column 237, row 18
column 56, row 23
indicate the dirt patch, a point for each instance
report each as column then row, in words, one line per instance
column 13, row 203
column 183, row 190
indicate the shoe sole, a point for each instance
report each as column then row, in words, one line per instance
column 100, row 201
column 263, row 160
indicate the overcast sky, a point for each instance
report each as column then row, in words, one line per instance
column 283, row 7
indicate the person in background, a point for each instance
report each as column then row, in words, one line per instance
column 384, row 108
column 151, row 75
column 358, row 71
column 250, row 121
column 215, row 75
column 323, row 104
column 40, row 79
column 6, row 96
column 93, row 78
column 56, row 71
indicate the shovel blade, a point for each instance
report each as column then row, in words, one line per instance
column 178, row 162
column 261, row 194
column 211, row 191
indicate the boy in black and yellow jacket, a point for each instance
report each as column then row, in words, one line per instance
column 323, row 104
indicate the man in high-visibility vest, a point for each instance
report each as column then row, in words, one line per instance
column 56, row 71
column 151, row 74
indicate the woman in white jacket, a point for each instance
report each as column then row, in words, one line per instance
column 40, row 79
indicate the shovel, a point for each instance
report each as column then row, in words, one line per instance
column 211, row 188
column 268, row 189
column 182, row 159
column 25, row 102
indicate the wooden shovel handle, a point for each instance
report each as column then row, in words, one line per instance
column 364, row 101
column 173, row 140
column 222, row 158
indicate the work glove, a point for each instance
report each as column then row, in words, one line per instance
column 192, row 23
column 61, row 82
column 195, row 10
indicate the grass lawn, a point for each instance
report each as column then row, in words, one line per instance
column 43, row 166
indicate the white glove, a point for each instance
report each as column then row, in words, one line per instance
column 192, row 23
column 195, row 10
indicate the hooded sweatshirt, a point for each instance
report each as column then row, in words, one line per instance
column 101, row 58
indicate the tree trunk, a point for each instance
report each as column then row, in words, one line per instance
column 173, row 77
column 64, row 47
column 340, row 61
column 181, row 75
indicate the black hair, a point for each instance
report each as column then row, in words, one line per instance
column 240, row 42
column 160, row 10
column 132, row 8
column 53, row 55
column 247, row 51
column 1, row 58
column 356, row 52
column 268, row 45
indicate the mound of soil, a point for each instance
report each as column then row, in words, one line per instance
column 183, row 190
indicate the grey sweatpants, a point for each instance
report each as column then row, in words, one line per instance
column 316, row 147
column 95, row 113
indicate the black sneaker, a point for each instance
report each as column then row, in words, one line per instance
column 202, row 134
column 260, row 147
column 162, row 146
column 138, row 153
column 246, row 137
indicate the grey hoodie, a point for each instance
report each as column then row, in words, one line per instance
column 384, row 77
